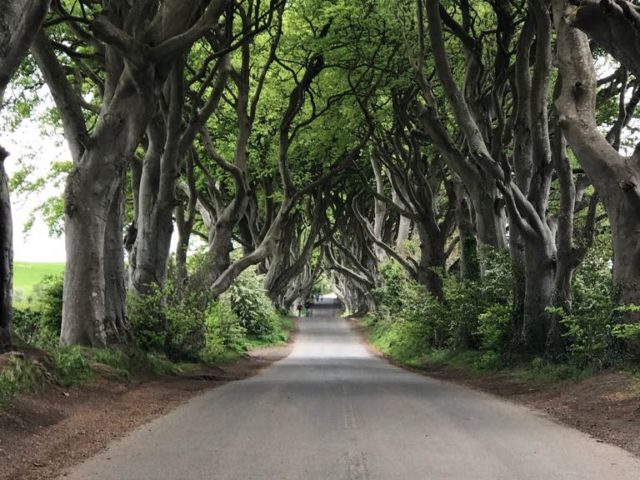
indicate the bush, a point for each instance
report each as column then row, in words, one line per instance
column 588, row 329
column 27, row 325
column 251, row 305
column 493, row 328
column 19, row 376
column 40, row 324
column 409, row 323
column 224, row 334
column 72, row 365
column 147, row 320
column 170, row 322
column 49, row 302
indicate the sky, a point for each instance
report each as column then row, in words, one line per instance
column 29, row 145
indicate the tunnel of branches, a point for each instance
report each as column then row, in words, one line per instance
column 335, row 140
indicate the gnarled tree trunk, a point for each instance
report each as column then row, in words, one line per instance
column 6, row 258
column 20, row 21
column 616, row 177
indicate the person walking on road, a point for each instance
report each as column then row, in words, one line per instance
column 307, row 307
column 299, row 308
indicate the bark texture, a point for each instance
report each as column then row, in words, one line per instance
column 616, row 177
column 20, row 20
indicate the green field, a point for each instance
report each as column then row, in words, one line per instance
column 27, row 275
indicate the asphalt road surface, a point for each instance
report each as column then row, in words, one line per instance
column 333, row 411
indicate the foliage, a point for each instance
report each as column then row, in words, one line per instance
column 588, row 327
column 49, row 302
column 224, row 334
column 168, row 321
column 250, row 304
column 39, row 324
column 71, row 365
column 26, row 278
column 20, row 376
column 408, row 321
column 322, row 286
column 26, row 325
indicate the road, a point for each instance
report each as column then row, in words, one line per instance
column 333, row 411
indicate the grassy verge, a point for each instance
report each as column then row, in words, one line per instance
column 284, row 328
column 404, row 348
column 68, row 366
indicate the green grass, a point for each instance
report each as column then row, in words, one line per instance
column 26, row 276
column 401, row 343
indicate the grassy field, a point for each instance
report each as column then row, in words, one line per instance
column 27, row 275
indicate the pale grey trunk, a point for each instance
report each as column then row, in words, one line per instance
column 490, row 218
column 616, row 178
column 148, row 266
column 404, row 230
column 114, row 272
column 380, row 209
column 20, row 21
column 83, row 311
column 6, row 259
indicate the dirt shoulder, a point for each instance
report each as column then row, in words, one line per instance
column 42, row 434
column 605, row 405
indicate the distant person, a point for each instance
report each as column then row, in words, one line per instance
column 299, row 308
column 307, row 307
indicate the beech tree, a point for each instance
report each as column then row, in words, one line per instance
column 614, row 175
column 20, row 20
column 137, row 46
column 308, row 138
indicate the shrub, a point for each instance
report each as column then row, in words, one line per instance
column 493, row 328
column 49, row 302
column 588, row 329
column 251, row 305
column 40, row 324
column 71, row 365
column 27, row 325
column 18, row 376
column 147, row 321
column 170, row 321
column 224, row 335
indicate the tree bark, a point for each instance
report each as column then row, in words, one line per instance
column 616, row 177
column 134, row 71
column 469, row 264
column 20, row 21
column 6, row 259
column 115, row 273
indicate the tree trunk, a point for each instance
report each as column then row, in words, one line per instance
column 490, row 219
column 516, row 251
column 380, row 209
column 616, row 178
column 6, row 259
column 540, row 268
column 432, row 263
column 20, row 21
column 156, row 197
column 404, row 229
column 469, row 264
column 115, row 273
column 83, row 311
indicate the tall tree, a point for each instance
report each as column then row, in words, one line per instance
column 20, row 20
column 615, row 176
column 138, row 46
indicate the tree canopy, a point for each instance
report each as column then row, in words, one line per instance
column 328, row 140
